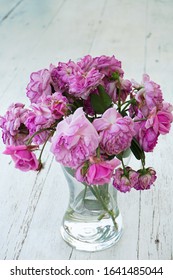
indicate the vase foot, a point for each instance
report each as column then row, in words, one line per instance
column 88, row 236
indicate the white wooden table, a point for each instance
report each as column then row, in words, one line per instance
column 34, row 34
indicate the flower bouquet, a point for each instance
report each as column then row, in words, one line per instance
column 93, row 118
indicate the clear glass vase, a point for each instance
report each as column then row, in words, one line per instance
column 92, row 221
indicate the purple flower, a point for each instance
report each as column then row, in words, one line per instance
column 108, row 65
column 146, row 133
column 39, row 118
column 148, row 139
column 123, row 86
column 146, row 178
column 125, row 180
column 39, row 85
column 86, row 63
column 62, row 73
column 149, row 95
column 83, row 83
column 23, row 157
column 157, row 122
column 75, row 140
column 56, row 105
column 14, row 131
column 115, row 132
column 96, row 171
column 165, row 118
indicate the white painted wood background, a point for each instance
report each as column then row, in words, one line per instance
column 34, row 34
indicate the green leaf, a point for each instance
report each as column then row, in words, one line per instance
column 104, row 193
column 100, row 102
column 123, row 113
column 115, row 76
column 137, row 150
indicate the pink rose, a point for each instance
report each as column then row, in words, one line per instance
column 39, row 85
column 165, row 118
column 86, row 63
column 55, row 105
column 125, row 180
column 82, row 83
column 75, row 140
column 107, row 65
column 39, row 118
column 146, row 178
column 148, row 139
column 149, row 95
column 23, row 157
column 61, row 74
column 147, row 131
column 14, row 131
column 116, row 132
column 98, row 173
column 158, row 122
column 113, row 87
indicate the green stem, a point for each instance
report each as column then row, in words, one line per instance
column 122, row 161
column 39, row 159
column 38, row 132
column 143, row 119
column 101, row 216
column 126, row 106
column 124, row 167
column 128, row 102
column 143, row 162
column 111, row 213
column 85, row 192
column 98, row 152
column 119, row 100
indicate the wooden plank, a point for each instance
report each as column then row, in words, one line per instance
column 20, row 33
column 43, row 238
column 20, row 193
column 7, row 8
column 18, row 202
column 156, row 236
